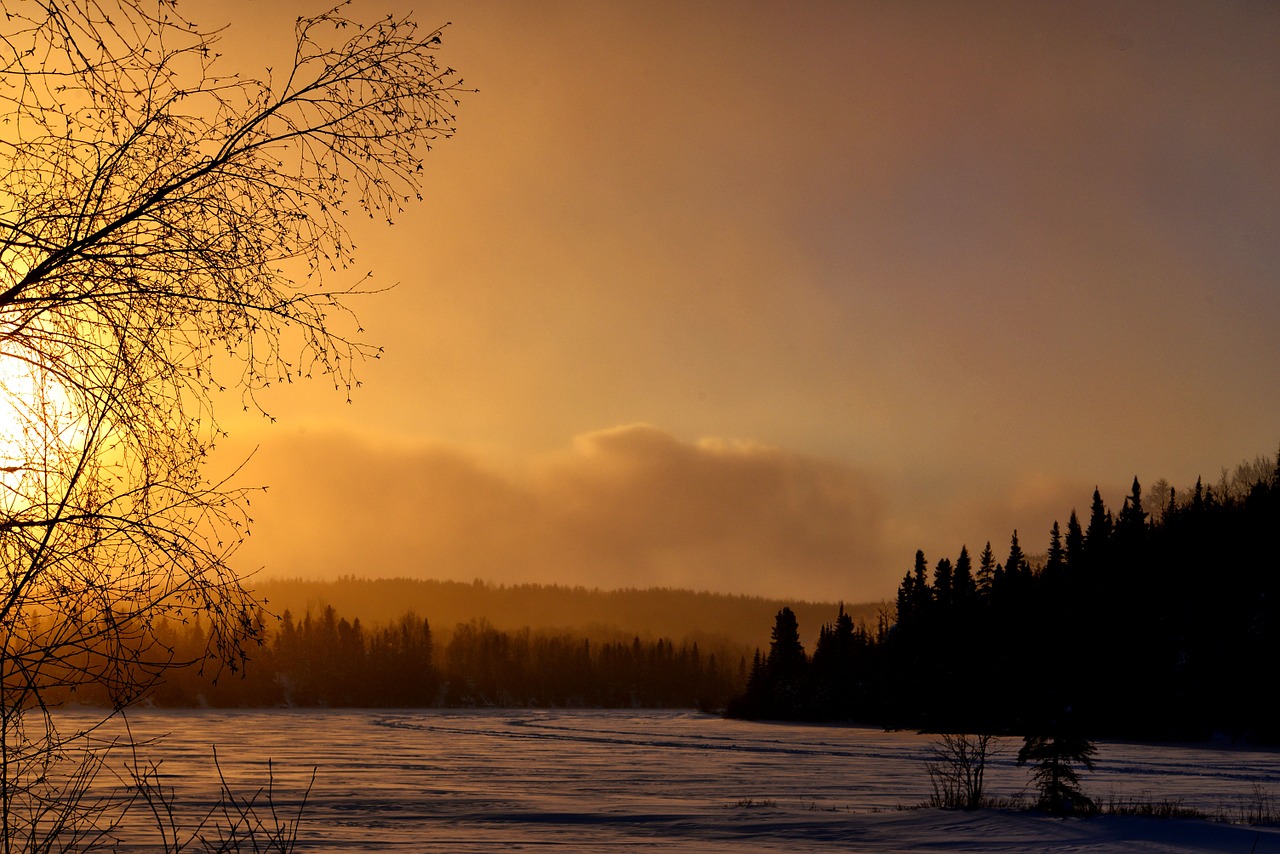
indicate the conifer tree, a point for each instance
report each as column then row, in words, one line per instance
column 1016, row 565
column 1074, row 543
column 1057, row 557
column 942, row 582
column 906, row 600
column 785, row 650
column 1132, row 523
column 998, row 580
column 962, row 582
column 1097, row 536
column 1053, row 758
column 833, row 664
column 785, row 666
column 986, row 569
column 923, row 595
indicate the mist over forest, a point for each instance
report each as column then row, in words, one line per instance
column 593, row 613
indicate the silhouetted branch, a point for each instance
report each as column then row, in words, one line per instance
column 164, row 224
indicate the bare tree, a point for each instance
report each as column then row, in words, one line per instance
column 1235, row 485
column 167, row 232
column 957, row 769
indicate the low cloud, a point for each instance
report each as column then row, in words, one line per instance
column 629, row 506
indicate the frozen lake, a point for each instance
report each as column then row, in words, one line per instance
column 472, row 781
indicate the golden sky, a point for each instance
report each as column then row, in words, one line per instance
column 762, row 297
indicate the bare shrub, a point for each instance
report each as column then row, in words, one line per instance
column 957, row 768
column 232, row 823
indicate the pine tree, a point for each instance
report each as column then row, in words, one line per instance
column 1097, row 536
column 1057, row 558
column 907, row 600
column 1016, row 565
column 833, row 665
column 986, row 569
column 1075, row 543
column 786, row 666
column 1171, row 508
column 962, row 584
column 785, row 649
column 998, row 576
column 922, row 594
column 1132, row 524
column 942, row 582
column 1053, row 758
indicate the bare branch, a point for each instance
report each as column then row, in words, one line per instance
column 167, row 231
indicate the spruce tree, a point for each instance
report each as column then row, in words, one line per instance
column 906, row 600
column 1132, row 524
column 986, row 569
column 1016, row 565
column 1057, row 558
column 923, row 594
column 833, row 665
column 1097, row 537
column 1053, row 758
column 785, row 650
column 963, row 586
column 1075, row 543
column 1171, row 508
column 785, row 667
column 942, row 582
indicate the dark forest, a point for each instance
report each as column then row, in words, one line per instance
column 325, row 660
column 1144, row 625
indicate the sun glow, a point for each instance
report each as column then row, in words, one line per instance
column 36, row 421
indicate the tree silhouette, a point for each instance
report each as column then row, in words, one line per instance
column 1073, row 549
column 1131, row 525
column 943, row 581
column 964, row 588
column 786, row 664
column 1056, row 558
column 1097, row 536
column 1016, row 563
column 1054, row 758
column 986, row 569
column 835, row 681
column 1122, row 625
column 169, row 231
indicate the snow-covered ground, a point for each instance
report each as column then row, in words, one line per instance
column 472, row 781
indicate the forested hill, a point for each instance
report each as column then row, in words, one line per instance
column 604, row 614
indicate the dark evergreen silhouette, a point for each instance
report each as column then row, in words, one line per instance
column 986, row 569
column 778, row 687
column 1056, row 560
column 1053, row 759
column 1146, row 625
column 964, row 588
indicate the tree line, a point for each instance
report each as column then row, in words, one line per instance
column 1157, row 622
column 324, row 659
column 712, row 619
